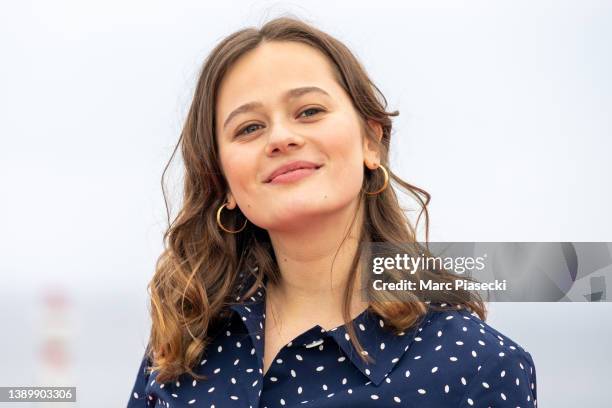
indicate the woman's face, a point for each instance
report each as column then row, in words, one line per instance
column 297, row 112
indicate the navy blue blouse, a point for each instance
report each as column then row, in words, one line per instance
column 450, row 359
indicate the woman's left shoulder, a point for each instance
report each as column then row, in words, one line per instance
column 465, row 326
column 491, row 368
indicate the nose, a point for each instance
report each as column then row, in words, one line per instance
column 281, row 139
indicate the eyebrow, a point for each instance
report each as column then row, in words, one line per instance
column 290, row 94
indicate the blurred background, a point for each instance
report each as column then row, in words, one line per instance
column 504, row 118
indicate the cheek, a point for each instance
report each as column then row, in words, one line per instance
column 349, row 177
column 237, row 171
column 342, row 136
column 342, row 143
column 343, row 146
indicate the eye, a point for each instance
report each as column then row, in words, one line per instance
column 244, row 129
column 317, row 110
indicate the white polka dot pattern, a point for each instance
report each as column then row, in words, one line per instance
column 450, row 358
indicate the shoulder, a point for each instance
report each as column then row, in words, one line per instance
column 141, row 388
column 471, row 363
column 467, row 329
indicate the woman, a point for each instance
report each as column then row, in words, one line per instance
column 286, row 149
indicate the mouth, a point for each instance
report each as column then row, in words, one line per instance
column 293, row 175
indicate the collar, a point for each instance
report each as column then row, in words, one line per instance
column 378, row 341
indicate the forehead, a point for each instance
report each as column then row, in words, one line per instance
column 271, row 68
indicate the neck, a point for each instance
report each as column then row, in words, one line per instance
column 314, row 263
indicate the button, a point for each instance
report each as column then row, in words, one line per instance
column 314, row 343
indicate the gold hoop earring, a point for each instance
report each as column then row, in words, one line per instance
column 386, row 183
column 221, row 225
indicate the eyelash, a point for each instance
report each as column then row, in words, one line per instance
column 241, row 131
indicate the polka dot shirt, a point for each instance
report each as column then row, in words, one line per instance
column 449, row 359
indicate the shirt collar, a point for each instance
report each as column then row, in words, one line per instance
column 378, row 341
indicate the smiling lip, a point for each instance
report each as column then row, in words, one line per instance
column 293, row 175
column 293, row 170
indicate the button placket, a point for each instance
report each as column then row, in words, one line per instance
column 314, row 343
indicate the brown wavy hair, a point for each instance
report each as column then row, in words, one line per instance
column 197, row 273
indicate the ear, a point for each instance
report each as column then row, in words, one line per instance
column 231, row 202
column 371, row 153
